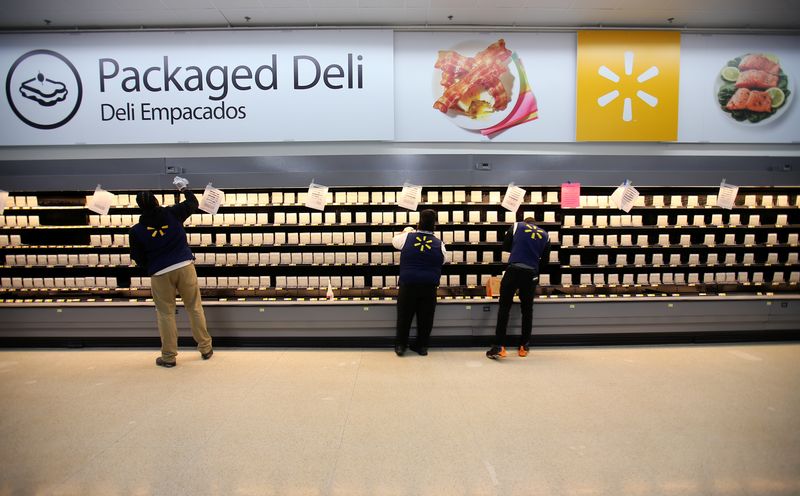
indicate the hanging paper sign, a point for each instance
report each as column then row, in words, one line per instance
column 616, row 196
column 317, row 196
column 629, row 197
column 410, row 196
column 212, row 199
column 625, row 196
column 513, row 198
column 727, row 195
column 3, row 200
column 570, row 195
column 101, row 201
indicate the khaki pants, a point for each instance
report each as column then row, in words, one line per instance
column 184, row 282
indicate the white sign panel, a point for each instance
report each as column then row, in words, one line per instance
column 624, row 197
column 727, row 195
column 317, row 196
column 101, row 201
column 527, row 91
column 212, row 199
column 196, row 86
column 739, row 89
column 513, row 198
column 410, row 196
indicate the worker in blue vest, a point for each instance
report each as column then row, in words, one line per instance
column 159, row 246
column 529, row 245
column 421, row 257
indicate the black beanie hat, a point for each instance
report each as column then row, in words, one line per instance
column 146, row 201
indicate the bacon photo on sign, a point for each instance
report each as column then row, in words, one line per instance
column 476, row 92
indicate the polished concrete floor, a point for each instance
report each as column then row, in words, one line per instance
column 693, row 420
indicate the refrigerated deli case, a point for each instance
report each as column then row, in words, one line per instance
column 676, row 263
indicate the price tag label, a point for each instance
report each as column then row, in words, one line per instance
column 410, row 196
column 317, row 196
column 727, row 195
column 212, row 199
column 101, row 201
column 513, row 198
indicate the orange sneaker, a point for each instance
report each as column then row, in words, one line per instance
column 496, row 352
column 523, row 350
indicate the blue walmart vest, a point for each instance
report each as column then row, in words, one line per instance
column 421, row 259
column 165, row 244
column 528, row 245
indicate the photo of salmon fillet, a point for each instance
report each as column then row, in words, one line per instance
column 753, row 88
column 759, row 101
column 756, row 79
column 739, row 100
column 759, row 62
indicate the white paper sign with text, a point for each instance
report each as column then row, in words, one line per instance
column 317, row 196
column 212, row 199
column 101, row 201
column 410, row 196
column 727, row 195
column 625, row 196
column 513, row 198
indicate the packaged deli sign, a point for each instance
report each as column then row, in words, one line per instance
column 255, row 86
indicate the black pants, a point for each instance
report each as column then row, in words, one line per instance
column 524, row 281
column 419, row 300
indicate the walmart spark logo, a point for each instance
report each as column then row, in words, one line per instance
column 423, row 243
column 627, row 85
column 534, row 231
column 157, row 231
column 627, row 105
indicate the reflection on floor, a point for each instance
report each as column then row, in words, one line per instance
column 696, row 420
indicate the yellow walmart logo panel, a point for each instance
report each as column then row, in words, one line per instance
column 628, row 85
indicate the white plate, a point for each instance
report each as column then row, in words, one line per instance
column 719, row 82
column 510, row 80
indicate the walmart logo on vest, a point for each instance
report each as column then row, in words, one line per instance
column 157, row 231
column 423, row 243
column 536, row 233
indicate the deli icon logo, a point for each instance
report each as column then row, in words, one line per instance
column 44, row 89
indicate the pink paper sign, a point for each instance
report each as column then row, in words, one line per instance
column 570, row 195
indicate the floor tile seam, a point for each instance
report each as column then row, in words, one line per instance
column 253, row 379
column 245, row 394
column 149, row 413
column 188, row 464
column 483, row 460
column 84, row 466
column 348, row 410
column 477, row 448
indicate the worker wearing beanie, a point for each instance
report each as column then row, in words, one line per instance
column 158, row 244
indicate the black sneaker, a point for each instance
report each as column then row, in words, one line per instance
column 399, row 350
column 420, row 351
column 496, row 352
column 161, row 363
column 207, row 354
